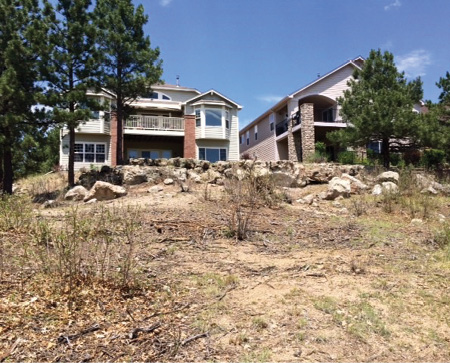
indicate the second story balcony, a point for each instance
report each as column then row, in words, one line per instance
column 141, row 124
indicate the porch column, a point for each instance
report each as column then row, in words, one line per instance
column 113, row 150
column 307, row 129
column 292, row 152
column 189, row 137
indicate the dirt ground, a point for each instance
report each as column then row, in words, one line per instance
column 310, row 283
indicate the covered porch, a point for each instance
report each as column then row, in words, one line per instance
column 153, row 146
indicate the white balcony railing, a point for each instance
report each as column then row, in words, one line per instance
column 161, row 123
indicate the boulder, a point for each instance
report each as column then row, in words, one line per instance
column 105, row 191
column 356, row 185
column 179, row 174
column 192, row 175
column 385, row 188
column 338, row 187
column 76, row 193
column 155, row 189
column 168, row 181
column 284, row 179
column 389, row 187
column 210, row 176
column 308, row 199
column 133, row 175
column 388, row 176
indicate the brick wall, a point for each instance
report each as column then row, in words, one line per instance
column 190, row 148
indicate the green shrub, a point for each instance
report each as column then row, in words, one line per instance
column 432, row 158
column 347, row 157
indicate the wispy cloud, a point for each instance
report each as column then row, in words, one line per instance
column 387, row 45
column 414, row 63
column 164, row 2
column 395, row 4
column 269, row 98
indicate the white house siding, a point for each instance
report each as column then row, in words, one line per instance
column 234, row 137
column 79, row 138
column 213, row 132
column 93, row 126
column 332, row 86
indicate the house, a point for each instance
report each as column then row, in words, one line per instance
column 289, row 129
column 167, row 121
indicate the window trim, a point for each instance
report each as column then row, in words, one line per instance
column 206, row 109
column 198, row 117
column 221, row 149
column 95, row 152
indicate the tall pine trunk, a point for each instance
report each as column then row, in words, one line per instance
column 71, row 173
column 386, row 152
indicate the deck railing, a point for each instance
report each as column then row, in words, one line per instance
column 162, row 123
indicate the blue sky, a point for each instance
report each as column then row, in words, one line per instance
column 258, row 51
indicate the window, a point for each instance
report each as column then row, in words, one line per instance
column 256, row 132
column 272, row 121
column 90, row 153
column 247, row 136
column 156, row 154
column 327, row 115
column 213, row 117
column 198, row 119
column 227, row 119
column 95, row 115
column 156, row 96
column 212, row 154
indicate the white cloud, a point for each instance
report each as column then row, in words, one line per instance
column 395, row 4
column 387, row 45
column 270, row 98
column 414, row 63
column 164, row 2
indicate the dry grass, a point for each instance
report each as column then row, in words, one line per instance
column 153, row 279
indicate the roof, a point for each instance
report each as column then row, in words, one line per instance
column 292, row 95
column 212, row 91
column 174, row 88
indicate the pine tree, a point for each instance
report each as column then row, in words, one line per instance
column 22, row 32
column 72, row 66
column 130, row 65
column 378, row 106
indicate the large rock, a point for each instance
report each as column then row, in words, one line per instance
column 428, row 185
column 76, row 193
column 385, row 188
column 133, row 175
column 338, row 187
column 105, row 191
column 356, row 185
column 388, row 176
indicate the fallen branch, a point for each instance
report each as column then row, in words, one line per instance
column 317, row 275
column 135, row 332
column 195, row 337
column 167, row 312
column 67, row 338
column 226, row 292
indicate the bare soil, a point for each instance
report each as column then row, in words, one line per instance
column 310, row 283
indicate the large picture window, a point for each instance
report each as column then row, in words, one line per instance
column 212, row 154
column 213, row 117
column 90, row 153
